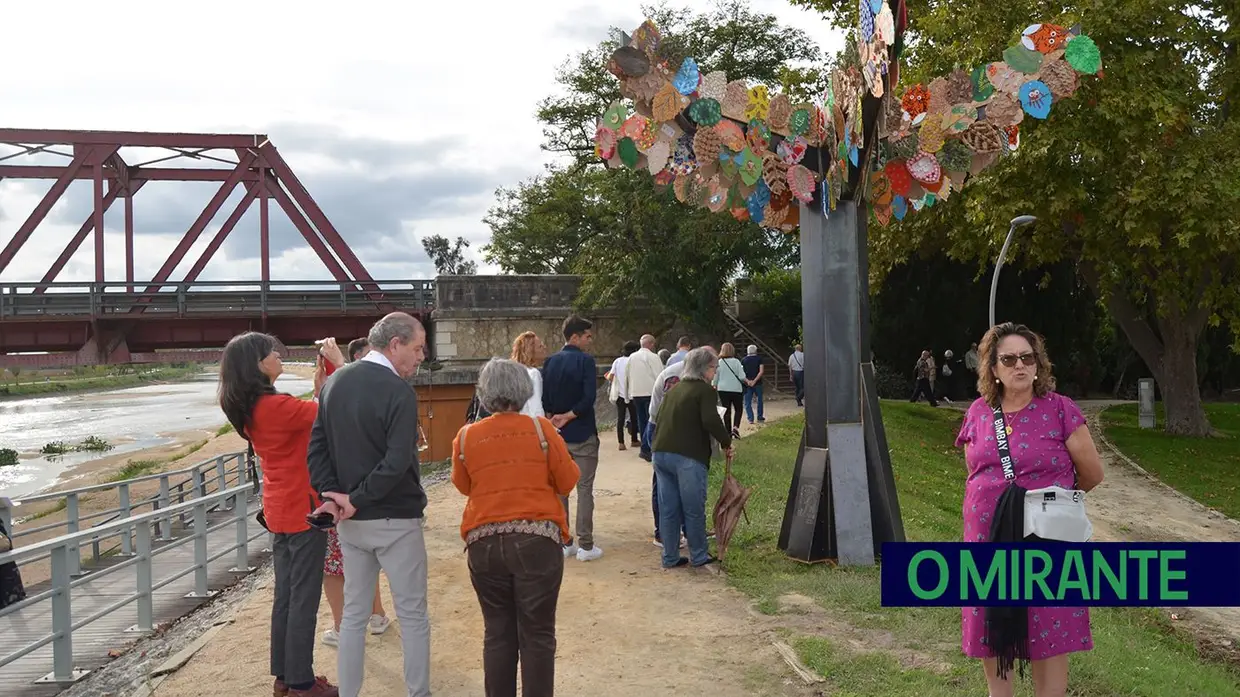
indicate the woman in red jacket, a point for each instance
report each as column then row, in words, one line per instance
column 278, row 427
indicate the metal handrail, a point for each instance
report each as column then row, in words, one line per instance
column 228, row 468
column 60, row 550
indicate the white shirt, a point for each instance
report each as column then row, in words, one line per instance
column 617, row 377
column 533, row 406
column 641, row 373
column 376, row 357
column 796, row 361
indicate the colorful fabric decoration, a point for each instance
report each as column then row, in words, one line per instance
column 755, row 153
column 1082, row 54
column 705, row 112
column 1035, row 98
column 687, row 78
column 1044, row 38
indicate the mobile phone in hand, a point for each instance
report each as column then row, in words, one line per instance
column 322, row 521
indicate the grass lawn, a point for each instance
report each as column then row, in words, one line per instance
column 1207, row 469
column 864, row 649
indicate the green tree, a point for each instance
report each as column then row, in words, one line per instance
column 1136, row 179
column 616, row 228
column 449, row 258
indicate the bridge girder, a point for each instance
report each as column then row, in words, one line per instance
column 251, row 161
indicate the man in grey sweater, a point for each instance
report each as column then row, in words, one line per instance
column 363, row 460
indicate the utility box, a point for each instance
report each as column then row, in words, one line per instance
column 1145, row 402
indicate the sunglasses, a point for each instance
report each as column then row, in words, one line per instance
column 1009, row 360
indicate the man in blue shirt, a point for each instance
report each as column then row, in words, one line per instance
column 570, row 384
column 753, row 382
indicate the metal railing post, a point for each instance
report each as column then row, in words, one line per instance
column 127, row 535
column 62, row 614
column 145, row 572
column 242, row 508
column 220, row 475
column 199, row 490
column 200, row 553
column 72, row 524
column 165, row 500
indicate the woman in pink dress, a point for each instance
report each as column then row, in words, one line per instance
column 1050, row 446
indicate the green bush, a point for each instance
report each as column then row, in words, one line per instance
column 8, row 457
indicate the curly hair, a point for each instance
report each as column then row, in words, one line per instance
column 988, row 357
column 523, row 348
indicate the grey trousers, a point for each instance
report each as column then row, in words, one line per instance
column 586, row 456
column 298, row 559
column 397, row 546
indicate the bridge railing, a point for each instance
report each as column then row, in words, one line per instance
column 26, row 300
column 61, row 551
column 175, row 487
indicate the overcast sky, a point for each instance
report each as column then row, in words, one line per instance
column 402, row 122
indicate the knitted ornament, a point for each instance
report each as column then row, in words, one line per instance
column 705, row 112
column 714, row 85
column 819, row 132
column 984, row 137
column 774, row 217
column 1005, row 79
column 955, row 156
column 627, row 150
column 735, row 100
column 899, row 177
column 938, row 96
column 925, row 169
column 732, row 136
column 904, row 148
column 915, row 100
column 1003, row 110
column 1082, row 54
column 775, row 174
column 802, row 183
column 604, row 143
column 959, row 87
column 759, row 103
column 706, row 145
column 758, row 135
column 931, row 133
column 1061, row 78
column 668, row 103
column 779, row 111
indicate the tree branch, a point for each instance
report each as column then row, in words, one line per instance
column 1130, row 318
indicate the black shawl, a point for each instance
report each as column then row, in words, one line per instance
column 1007, row 628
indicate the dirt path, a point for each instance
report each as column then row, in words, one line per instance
column 1133, row 506
column 625, row 627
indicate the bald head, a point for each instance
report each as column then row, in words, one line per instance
column 648, row 341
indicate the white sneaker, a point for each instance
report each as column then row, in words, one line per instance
column 331, row 638
column 570, row 550
column 589, row 554
column 379, row 624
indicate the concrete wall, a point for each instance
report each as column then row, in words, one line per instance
column 477, row 318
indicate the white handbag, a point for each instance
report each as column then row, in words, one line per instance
column 1051, row 513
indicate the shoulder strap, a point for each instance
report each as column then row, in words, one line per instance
column 542, row 438
column 462, row 436
column 732, row 370
column 1001, row 441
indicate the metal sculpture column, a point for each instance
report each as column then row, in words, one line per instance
column 842, row 503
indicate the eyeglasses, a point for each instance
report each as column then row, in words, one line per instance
column 1009, row 360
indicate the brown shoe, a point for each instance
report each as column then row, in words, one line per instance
column 635, row 443
column 321, row 688
column 279, row 689
column 622, row 446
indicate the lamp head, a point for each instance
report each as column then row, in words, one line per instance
column 1023, row 220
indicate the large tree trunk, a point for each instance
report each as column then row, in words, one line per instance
column 1170, row 353
column 1181, row 390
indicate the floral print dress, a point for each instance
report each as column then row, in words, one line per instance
column 1040, row 458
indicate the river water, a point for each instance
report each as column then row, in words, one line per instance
column 131, row 419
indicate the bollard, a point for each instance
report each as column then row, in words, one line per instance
column 1145, row 402
column 145, row 573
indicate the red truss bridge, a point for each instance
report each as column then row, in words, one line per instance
column 113, row 321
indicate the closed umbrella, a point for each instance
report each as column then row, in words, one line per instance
column 729, row 507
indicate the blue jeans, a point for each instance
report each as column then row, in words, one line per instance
column 682, row 502
column 642, row 406
column 749, row 394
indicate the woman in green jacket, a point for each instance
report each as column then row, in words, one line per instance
column 688, row 419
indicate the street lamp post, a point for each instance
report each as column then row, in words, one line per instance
column 1019, row 221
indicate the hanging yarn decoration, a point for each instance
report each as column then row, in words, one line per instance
column 959, row 87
